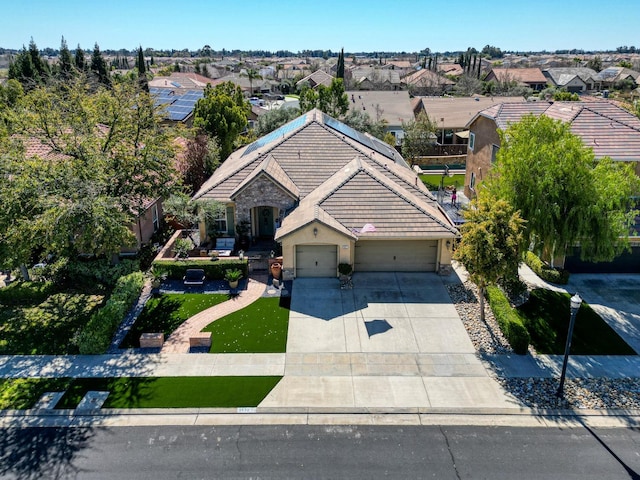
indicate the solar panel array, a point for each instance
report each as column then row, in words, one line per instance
column 276, row 134
column 177, row 106
column 373, row 144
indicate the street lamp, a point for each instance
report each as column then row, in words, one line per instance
column 576, row 301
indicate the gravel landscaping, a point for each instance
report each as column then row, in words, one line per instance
column 579, row 393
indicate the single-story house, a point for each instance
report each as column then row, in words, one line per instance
column 529, row 77
column 610, row 76
column 329, row 195
column 319, row 77
column 573, row 79
column 394, row 107
column 427, row 82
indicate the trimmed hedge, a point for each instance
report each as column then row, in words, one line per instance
column 213, row 269
column 96, row 336
column 509, row 321
column 545, row 272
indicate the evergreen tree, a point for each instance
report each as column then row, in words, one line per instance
column 65, row 62
column 99, row 66
column 142, row 71
column 340, row 69
column 79, row 59
column 40, row 66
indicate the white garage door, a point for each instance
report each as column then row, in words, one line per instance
column 316, row 260
column 396, row 256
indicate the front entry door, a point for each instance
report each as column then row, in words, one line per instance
column 265, row 219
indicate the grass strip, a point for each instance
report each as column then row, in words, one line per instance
column 173, row 392
column 546, row 316
column 258, row 328
column 23, row 393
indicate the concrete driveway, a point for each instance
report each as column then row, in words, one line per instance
column 393, row 341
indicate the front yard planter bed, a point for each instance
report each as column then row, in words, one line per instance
column 213, row 270
column 172, row 392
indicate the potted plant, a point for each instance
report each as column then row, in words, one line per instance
column 158, row 276
column 345, row 269
column 276, row 270
column 233, row 276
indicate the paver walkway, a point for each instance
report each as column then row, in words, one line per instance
column 178, row 341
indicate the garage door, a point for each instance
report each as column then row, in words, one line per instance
column 316, row 260
column 396, row 256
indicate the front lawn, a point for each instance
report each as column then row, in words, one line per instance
column 546, row 317
column 23, row 393
column 36, row 319
column 258, row 328
column 173, row 392
column 167, row 312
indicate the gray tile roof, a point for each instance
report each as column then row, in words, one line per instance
column 342, row 178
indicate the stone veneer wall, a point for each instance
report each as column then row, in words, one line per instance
column 261, row 192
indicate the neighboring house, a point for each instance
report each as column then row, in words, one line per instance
column 374, row 78
column 394, row 107
column 608, row 129
column 529, row 77
column 452, row 114
column 183, row 80
column 451, row 69
column 319, row 77
column 329, row 194
column 573, row 79
column 609, row 77
column 426, row 82
column 146, row 223
column 177, row 105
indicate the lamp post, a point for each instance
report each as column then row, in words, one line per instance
column 576, row 301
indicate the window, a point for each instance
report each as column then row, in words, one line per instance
column 155, row 218
column 472, row 182
column 494, row 152
column 472, row 140
column 220, row 223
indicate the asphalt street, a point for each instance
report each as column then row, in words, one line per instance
column 265, row 452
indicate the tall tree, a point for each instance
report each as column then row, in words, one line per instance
column 490, row 247
column 107, row 158
column 65, row 61
column 340, row 66
column 81, row 63
column 29, row 68
column 99, row 66
column 331, row 100
column 143, row 81
column 197, row 161
column 564, row 194
column 222, row 113
column 252, row 74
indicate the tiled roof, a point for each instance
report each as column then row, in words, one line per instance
column 425, row 77
column 524, row 75
column 394, row 106
column 457, row 111
column 342, row 177
column 610, row 130
column 318, row 77
column 563, row 75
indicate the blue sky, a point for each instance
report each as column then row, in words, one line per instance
column 391, row 25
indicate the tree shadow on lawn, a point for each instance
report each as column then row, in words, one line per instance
column 546, row 316
column 48, row 327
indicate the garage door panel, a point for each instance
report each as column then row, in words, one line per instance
column 316, row 260
column 396, row 256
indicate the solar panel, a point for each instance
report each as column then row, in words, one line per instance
column 373, row 144
column 276, row 134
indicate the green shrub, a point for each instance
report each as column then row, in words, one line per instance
column 213, row 269
column 545, row 272
column 26, row 293
column 102, row 271
column 96, row 335
column 509, row 321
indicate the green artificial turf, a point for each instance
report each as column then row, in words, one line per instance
column 43, row 324
column 546, row 317
column 432, row 181
column 23, row 393
column 173, row 392
column 258, row 328
column 167, row 312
